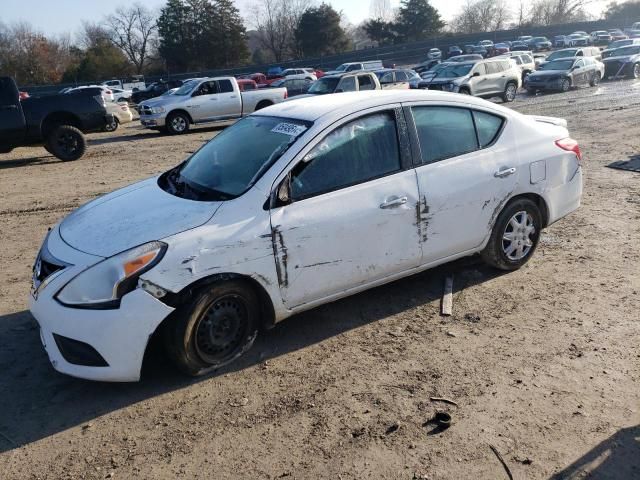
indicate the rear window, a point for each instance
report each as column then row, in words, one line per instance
column 444, row 132
column 225, row 86
column 488, row 127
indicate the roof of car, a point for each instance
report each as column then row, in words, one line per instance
column 314, row 107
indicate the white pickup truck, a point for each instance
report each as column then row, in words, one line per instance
column 205, row 100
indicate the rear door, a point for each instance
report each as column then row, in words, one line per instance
column 351, row 218
column 579, row 72
column 467, row 171
column 12, row 124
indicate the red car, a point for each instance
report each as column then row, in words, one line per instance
column 246, row 84
column 23, row 95
column 319, row 73
column 500, row 48
column 261, row 79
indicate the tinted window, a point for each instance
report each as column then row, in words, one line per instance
column 354, row 67
column 401, row 77
column 365, row 83
column 361, row 150
column 579, row 63
column 518, row 60
column 348, row 84
column 207, row 88
column 488, row 126
column 444, row 132
column 527, row 59
column 480, row 68
column 386, row 78
column 225, row 86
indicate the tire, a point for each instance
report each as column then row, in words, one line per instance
column 565, row 85
column 635, row 72
column 177, row 123
column 465, row 91
column 531, row 91
column 263, row 104
column 192, row 337
column 66, row 143
column 113, row 126
column 510, row 92
column 498, row 251
column 595, row 80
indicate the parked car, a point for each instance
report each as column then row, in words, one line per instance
column 294, row 86
column 23, row 95
column 434, row 53
column 261, row 79
column 121, row 114
column 613, row 46
column 426, row 65
column 468, row 49
column 121, row 95
column 300, row 74
column 486, row 78
column 500, row 48
column 519, row 46
column 593, row 52
column 345, row 82
column 356, row 66
column 480, row 50
column 135, row 82
column 207, row 257
column 565, row 73
column 429, row 75
column 623, row 62
column 524, row 38
column 539, row 44
column 58, row 122
column 600, row 37
column 465, row 58
column 101, row 90
column 524, row 61
column 579, row 39
column 208, row 100
column 618, row 34
column 454, row 51
column 395, row 79
column 488, row 44
column 560, row 41
column 274, row 72
column 154, row 90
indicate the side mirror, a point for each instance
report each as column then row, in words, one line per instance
column 284, row 191
column 476, row 74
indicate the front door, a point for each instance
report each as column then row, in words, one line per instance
column 12, row 124
column 229, row 101
column 464, row 179
column 351, row 217
column 479, row 80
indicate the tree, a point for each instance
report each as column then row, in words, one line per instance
column 482, row 16
column 555, row 12
column 228, row 34
column 131, row 29
column 380, row 31
column 623, row 13
column 319, row 32
column 417, row 20
column 276, row 22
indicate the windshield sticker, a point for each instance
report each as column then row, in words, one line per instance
column 290, row 129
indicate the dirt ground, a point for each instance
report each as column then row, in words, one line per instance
column 544, row 363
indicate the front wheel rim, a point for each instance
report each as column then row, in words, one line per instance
column 222, row 329
column 565, row 85
column 68, row 143
column 511, row 93
column 178, row 124
column 518, row 236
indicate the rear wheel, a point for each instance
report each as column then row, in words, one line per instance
column 465, row 91
column 177, row 123
column 66, row 142
column 510, row 92
column 595, row 80
column 112, row 126
column 636, row 71
column 515, row 235
column 217, row 326
column 531, row 91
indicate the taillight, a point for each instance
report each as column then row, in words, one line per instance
column 570, row 145
column 286, row 93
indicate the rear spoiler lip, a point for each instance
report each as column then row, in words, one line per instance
column 560, row 122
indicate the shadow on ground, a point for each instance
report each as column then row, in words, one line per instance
column 617, row 458
column 39, row 402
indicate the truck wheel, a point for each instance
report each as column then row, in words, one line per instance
column 113, row 126
column 67, row 143
column 217, row 326
column 263, row 104
column 177, row 123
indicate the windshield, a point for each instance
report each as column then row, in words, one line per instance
column 185, row 89
column 557, row 65
column 620, row 43
column 561, row 54
column 324, row 85
column 624, row 51
column 454, row 71
column 233, row 160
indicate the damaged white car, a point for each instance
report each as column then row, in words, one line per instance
column 295, row 206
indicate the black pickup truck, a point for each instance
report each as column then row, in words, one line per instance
column 58, row 122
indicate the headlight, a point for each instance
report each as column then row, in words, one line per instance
column 105, row 283
column 157, row 110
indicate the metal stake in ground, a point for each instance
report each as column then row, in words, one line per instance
column 447, row 297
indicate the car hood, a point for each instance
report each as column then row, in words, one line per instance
column 162, row 101
column 131, row 216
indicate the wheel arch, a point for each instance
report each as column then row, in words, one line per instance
column 182, row 111
column 55, row 119
column 263, row 104
column 535, row 198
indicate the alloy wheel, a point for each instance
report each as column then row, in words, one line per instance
column 517, row 238
column 179, row 124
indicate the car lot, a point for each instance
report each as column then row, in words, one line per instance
column 543, row 362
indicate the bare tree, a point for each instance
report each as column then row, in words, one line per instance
column 482, row 16
column 381, row 10
column 276, row 21
column 132, row 29
column 552, row 12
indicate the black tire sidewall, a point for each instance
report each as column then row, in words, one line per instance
column 493, row 253
column 61, row 154
column 180, row 333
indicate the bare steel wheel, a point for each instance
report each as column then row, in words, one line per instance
column 516, row 239
column 216, row 326
column 514, row 235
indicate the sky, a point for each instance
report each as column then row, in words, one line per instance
column 62, row 16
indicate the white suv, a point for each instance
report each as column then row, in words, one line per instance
column 300, row 74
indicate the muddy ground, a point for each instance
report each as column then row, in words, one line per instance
column 544, row 363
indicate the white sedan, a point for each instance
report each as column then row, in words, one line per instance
column 292, row 207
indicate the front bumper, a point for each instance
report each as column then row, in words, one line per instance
column 540, row 84
column 119, row 336
column 154, row 120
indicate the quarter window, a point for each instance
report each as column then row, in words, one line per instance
column 365, row 83
column 359, row 151
column 488, row 127
column 401, row 77
column 444, row 132
column 348, row 84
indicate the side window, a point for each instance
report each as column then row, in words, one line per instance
column 401, row 77
column 359, row 151
column 444, row 132
column 386, row 78
column 225, row 86
column 580, row 53
column 488, row 127
column 365, row 83
column 493, row 67
column 480, row 69
column 348, row 84
column 207, row 88
column 354, row 67
column 527, row 58
column 518, row 60
column 579, row 64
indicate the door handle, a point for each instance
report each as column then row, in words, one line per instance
column 505, row 173
column 393, row 202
